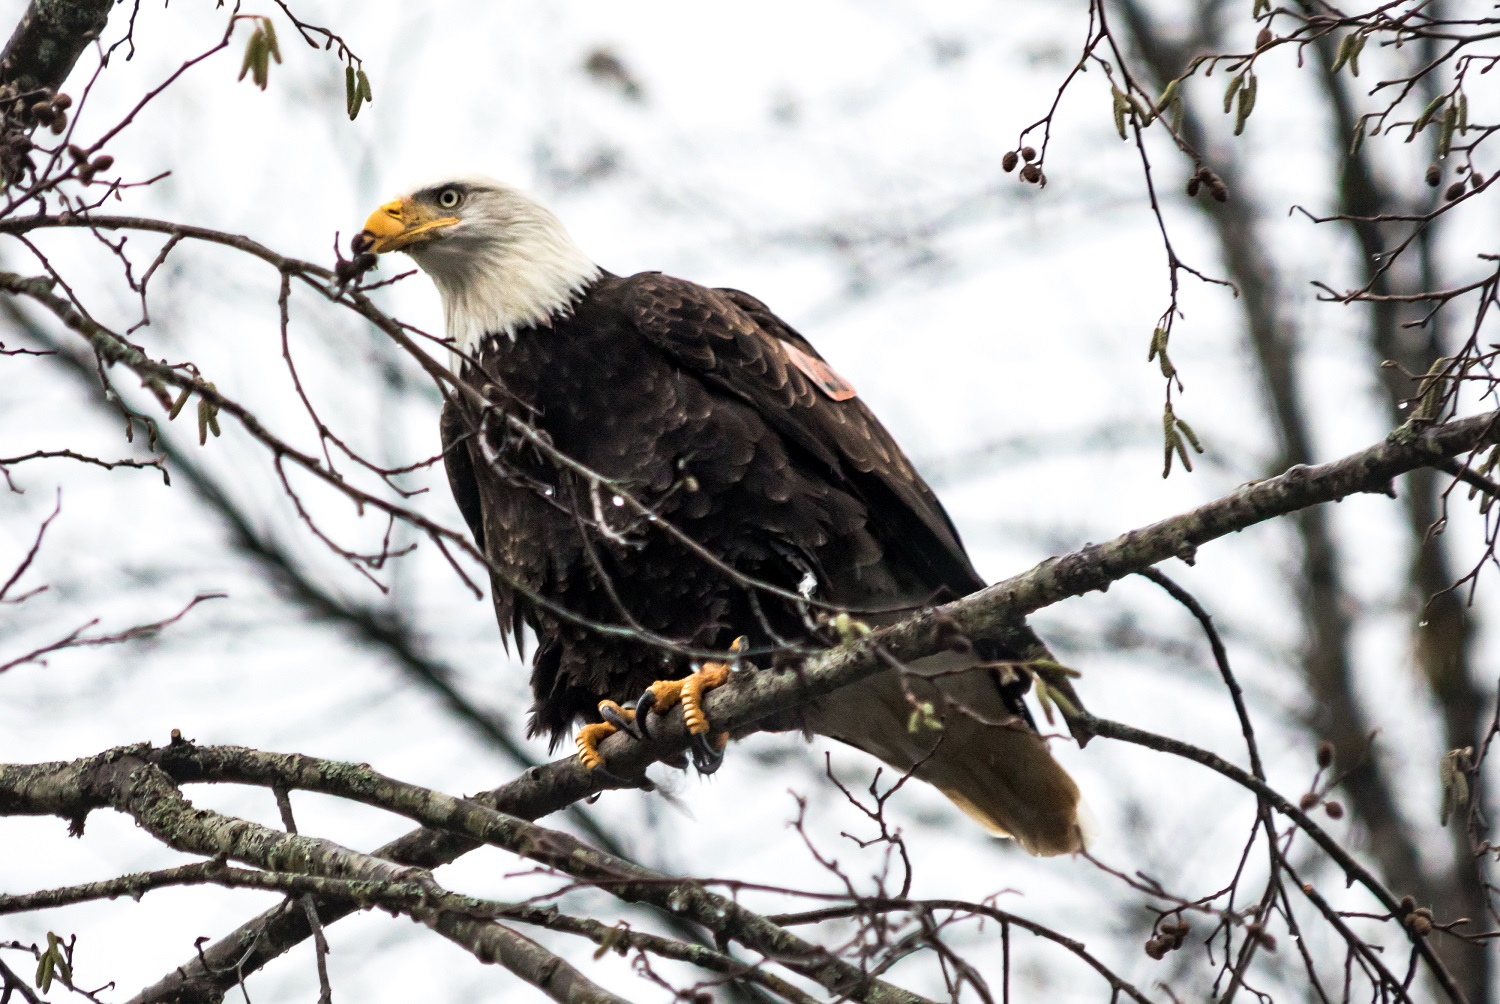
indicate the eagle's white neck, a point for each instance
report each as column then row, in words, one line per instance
column 509, row 265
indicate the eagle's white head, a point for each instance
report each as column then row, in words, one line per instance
column 500, row 260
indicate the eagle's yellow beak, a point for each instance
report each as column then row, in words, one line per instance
column 401, row 223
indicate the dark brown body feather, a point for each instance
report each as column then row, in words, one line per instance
column 682, row 396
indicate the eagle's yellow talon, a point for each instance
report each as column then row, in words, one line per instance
column 588, row 739
column 689, row 692
column 711, row 675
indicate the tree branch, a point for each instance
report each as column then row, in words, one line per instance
column 370, row 625
column 143, row 782
column 387, row 632
column 47, row 42
column 753, row 696
column 492, row 942
column 1353, row 870
column 1273, row 336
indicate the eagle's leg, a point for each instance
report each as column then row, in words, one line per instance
column 662, row 695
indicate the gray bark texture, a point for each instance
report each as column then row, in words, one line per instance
column 991, row 613
column 48, row 41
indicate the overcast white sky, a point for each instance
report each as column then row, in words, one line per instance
column 839, row 160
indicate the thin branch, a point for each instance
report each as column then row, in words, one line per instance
column 386, row 629
column 83, row 458
column 78, row 639
column 1468, row 476
column 1117, row 984
column 10, row 979
column 140, row 781
column 1355, row 871
column 989, row 613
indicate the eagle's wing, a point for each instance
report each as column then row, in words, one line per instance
column 456, row 430
column 459, row 464
column 735, row 343
column 984, row 757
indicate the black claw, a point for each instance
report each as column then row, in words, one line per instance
column 705, row 757
column 620, row 722
column 643, row 708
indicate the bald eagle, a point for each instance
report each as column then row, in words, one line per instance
column 687, row 475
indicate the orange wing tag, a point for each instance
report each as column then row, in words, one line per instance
column 819, row 372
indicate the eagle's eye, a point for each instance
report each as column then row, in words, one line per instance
column 449, row 198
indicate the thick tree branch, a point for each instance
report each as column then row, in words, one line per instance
column 384, row 630
column 47, row 42
column 143, row 782
column 387, row 632
column 406, row 898
column 492, row 942
column 134, row 785
column 752, row 696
